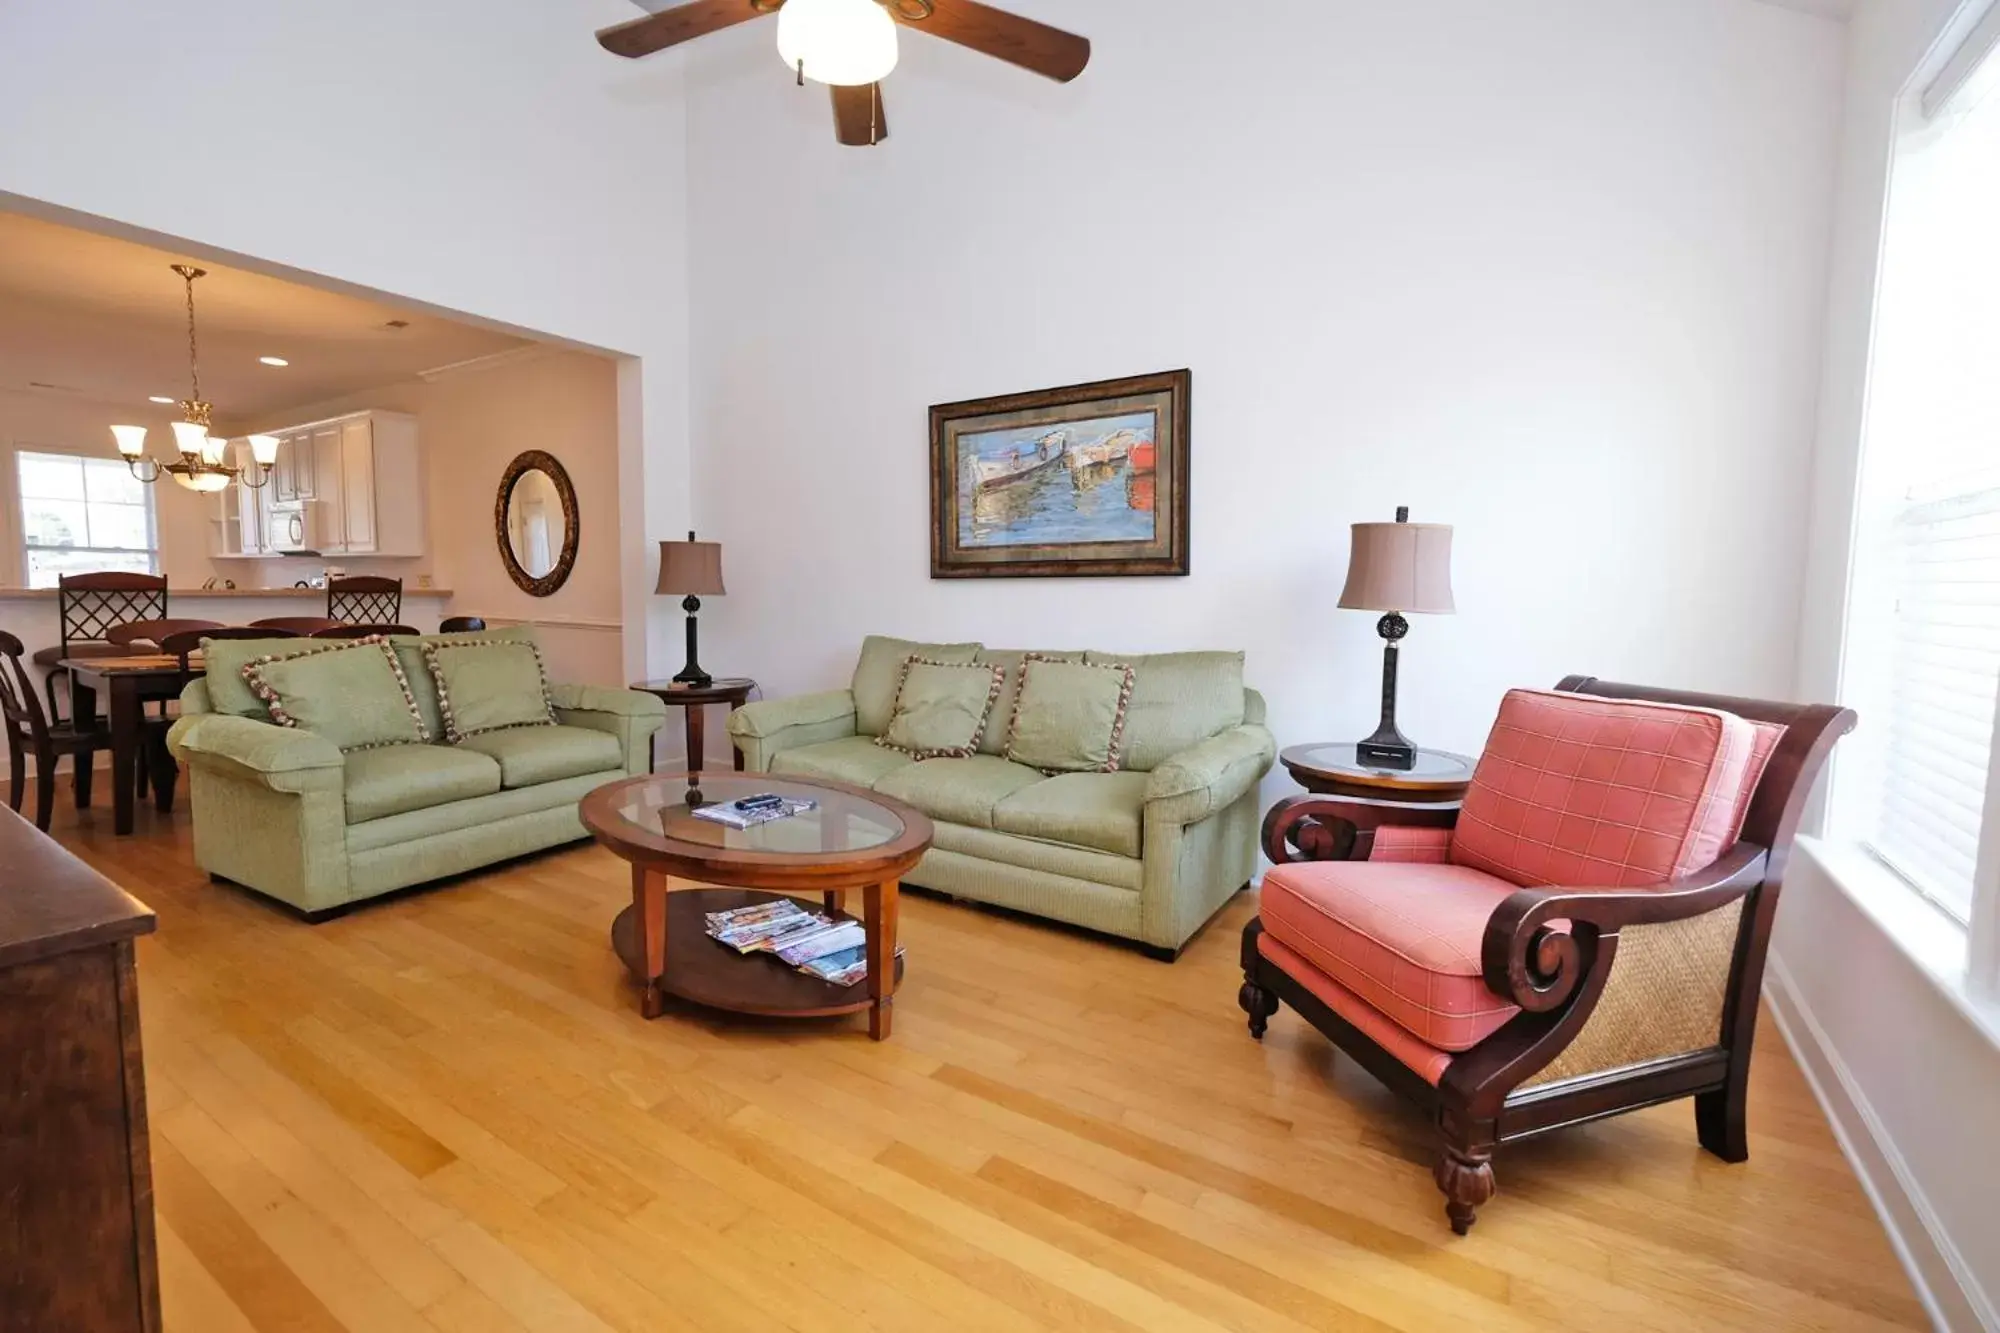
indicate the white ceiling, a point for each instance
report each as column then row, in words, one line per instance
column 90, row 317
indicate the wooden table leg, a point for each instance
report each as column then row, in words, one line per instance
column 128, row 730
column 881, row 911
column 697, row 735
column 649, row 920
column 835, row 900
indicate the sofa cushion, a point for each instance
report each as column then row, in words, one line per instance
column 1586, row 791
column 1100, row 810
column 1069, row 717
column 488, row 684
column 1403, row 937
column 852, row 759
column 994, row 739
column 529, row 756
column 352, row 693
column 223, row 661
column 961, row 791
column 397, row 778
column 410, row 652
column 880, row 669
column 1178, row 701
column 941, row 708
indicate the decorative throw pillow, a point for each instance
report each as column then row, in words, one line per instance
column 1069, row 717
column 941, row 708
column 353, row 694
column 223, row 661
column 489, row 685
column 879, row 670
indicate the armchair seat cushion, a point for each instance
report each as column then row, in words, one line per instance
column 530, row 756
column 1103, row 811
column 398, row 778
column 958, row 791
column 852, row 759
column 1402, row 937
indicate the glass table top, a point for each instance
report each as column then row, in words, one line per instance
column 1341, row 757
column 664, row 806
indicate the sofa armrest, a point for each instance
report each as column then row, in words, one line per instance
column 607, row 699
column 282, row 758
column 630, row 715
column 194, row 698
column 1211, row 776
column 766, row 729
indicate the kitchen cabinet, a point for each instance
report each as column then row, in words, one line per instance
column 354, row 485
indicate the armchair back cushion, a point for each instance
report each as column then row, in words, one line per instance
column 1584, row 791
column 880, row 672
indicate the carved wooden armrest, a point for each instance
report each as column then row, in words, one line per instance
column 1539, row 968
column 1308, row 828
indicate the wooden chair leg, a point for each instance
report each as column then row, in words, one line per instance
column 1257, row 1002
column 17, row 774
column 45, row 790
column 1720, row 1121
column 1466, row 1178
column 81, row 772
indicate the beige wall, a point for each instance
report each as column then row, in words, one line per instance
column 470, row 425
column 46, row 423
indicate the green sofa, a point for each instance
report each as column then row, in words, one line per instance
column 1148, row 853
column 282, row 811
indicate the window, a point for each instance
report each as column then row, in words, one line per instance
column 1923, row 640
column 80, row 514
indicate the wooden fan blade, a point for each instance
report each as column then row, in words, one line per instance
column 671, row 27
column 1047, row 51
column 858, row 121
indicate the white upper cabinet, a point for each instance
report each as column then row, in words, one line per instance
column 356, row 480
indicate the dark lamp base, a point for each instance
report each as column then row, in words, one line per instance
column 1375, row 754
column 693, row 675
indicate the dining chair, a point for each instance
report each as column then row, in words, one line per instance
column 87, row 607
column 301, row 625
column 461, row 625
column 364, row 599
column 1584, row 936
column 29, row 731
column 360, row 631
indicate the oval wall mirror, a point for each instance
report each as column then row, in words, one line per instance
column 535, row 521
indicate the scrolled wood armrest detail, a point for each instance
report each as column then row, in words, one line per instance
column 1309, row 827
column 1539, row 968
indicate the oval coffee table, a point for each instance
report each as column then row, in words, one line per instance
column 854, row 840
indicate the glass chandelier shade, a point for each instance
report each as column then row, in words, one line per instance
column 840, row 42
column 264, row 449
column 190, row 437
column 131, row 440
column 205, row 482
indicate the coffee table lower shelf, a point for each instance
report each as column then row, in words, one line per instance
column 704, row 972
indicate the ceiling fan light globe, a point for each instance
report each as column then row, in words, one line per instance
column 846, row 43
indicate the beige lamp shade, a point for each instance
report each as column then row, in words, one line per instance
column 691, row 568
column 1400, row 567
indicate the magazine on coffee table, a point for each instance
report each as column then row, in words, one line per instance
column 731, row 813
column 835, row 951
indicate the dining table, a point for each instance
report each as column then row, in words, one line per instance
column 130, row 683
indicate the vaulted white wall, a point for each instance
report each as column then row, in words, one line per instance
column 480, row 156
column 1550, row 271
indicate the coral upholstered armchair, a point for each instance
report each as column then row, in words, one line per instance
column 1586, row 937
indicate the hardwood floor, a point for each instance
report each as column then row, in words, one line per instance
column 443, row 1113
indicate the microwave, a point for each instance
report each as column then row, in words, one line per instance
column 294, row 529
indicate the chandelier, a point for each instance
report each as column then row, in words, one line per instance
column 200, row 466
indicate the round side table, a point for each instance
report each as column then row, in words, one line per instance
column 1350, row 797
column 691, row 699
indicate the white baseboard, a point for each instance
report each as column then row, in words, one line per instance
column 1950, row 1292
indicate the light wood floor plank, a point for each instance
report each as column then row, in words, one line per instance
column 443, row 1113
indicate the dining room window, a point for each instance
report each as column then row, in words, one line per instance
column 80, row 514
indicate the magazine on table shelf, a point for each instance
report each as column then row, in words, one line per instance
column 835, row 951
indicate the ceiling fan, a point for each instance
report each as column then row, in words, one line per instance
column 850, row 45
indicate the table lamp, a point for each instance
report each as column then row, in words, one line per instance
column 1396, row 568
column 694, row 569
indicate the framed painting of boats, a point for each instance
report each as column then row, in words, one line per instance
column 1088, row 480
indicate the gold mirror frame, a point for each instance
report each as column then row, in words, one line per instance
column 535, row 460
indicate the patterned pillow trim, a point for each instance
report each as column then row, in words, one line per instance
column 253, row 676
column 451, row 729
column 1114, row 750
column 957, row 751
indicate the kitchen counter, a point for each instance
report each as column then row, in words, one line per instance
column 175, row 595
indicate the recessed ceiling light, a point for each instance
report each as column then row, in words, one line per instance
column 161, row 398
column 274, row 361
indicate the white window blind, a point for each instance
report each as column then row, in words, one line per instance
column 1923, row 652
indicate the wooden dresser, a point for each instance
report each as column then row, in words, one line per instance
column 76, row 1180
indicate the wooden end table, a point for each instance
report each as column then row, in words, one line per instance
column 1350, row 797
column 854, row 840
column 691, row 699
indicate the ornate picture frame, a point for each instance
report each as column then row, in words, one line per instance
column 536, row 460
column 1089, row 480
